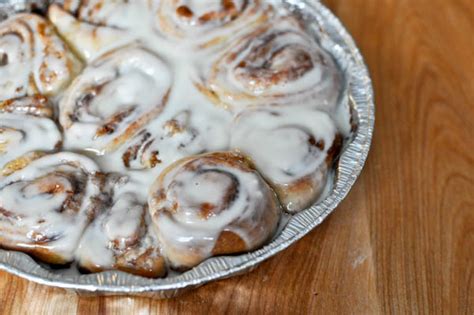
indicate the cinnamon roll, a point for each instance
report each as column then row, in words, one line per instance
column 279, row 63
column 119, row 238
column 113, row 99
column 293, row 150
column 89, row 41
column 26, row 130
column 33, row 59
column 212, row 204
column 209, row 22
column 45, row 207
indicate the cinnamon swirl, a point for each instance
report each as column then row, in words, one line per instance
column 212, row 204
column 33, row 59
column 113, row 99
column 209, row 22
column 279, row 63
column 294, row 150
column 89, row 41
column 26, row 130
column 186, row 133
column 45, row 207
column 117, row 13
column 120, row 239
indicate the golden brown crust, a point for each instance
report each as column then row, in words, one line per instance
column 38, row 252
column 304, row 192
column 148, row 264
column 229, row 243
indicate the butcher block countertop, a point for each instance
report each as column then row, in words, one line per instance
column 403, row 240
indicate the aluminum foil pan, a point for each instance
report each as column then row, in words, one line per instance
column 334, row 38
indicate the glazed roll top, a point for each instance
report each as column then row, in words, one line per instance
column 294, row 150
column 89, row 41
column 33, row 59
column 117, row 13
column 279, row 63
column 209, row 205
column 45, row 207
column 120, row 239
column 208, row 22
column 115, row 96
column 26, row 130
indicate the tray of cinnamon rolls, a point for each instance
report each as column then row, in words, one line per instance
column 151, row 146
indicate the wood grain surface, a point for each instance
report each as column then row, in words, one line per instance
column 403, row 240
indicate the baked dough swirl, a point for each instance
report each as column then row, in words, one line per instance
column 26, row 131
column 211, row 204
column 45, row 207
column 33, row 59
column 113, row 99
column 279, row 63
column 116, row 13
column 209, row 22
column 88, row 41
column 293, row 150
column 119, row 238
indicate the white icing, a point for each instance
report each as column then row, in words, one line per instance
column 35, row 198
column 124, row 221
column 22, row 134
column 89, row 41
column 117, row 13
column 207, row 23
column 34, row 59
column 279, row 143
column 129, row 80
column 119, row 238
column 116, row 229
column 279, row 63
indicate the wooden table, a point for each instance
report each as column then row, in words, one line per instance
column 403, row 240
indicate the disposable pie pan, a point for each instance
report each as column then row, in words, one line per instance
column 334, row 38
